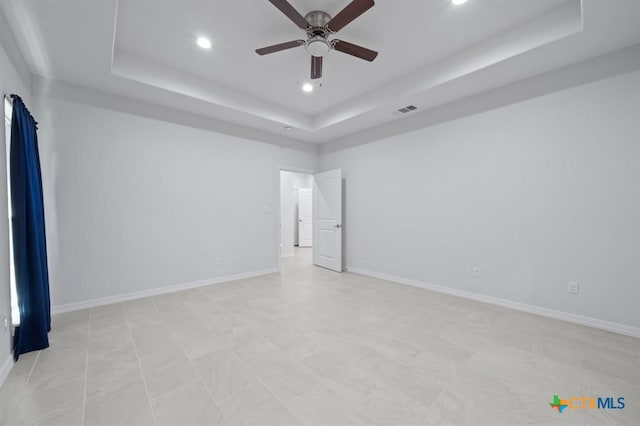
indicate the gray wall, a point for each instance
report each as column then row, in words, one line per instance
column 135, row 204
column 536, row 194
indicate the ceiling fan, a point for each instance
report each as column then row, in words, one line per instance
column 319, row 26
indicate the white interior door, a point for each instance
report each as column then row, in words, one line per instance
column 305, row 215
column 327, row 220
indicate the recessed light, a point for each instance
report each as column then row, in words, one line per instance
column 288, row 128
column 307, row 87
column 458, row 2
column 204, row 42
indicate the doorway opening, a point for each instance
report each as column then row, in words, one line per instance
column 296, row 216
column 311, row 211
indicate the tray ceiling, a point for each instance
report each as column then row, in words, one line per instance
column 431, row 53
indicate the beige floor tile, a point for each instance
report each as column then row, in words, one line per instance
column 35, row 406
column 218, row 320
column 201, row 342
column 612, row 362
column 63, row 417
column 184, row 322
column 322, row 405
column 439, row 364
column 22, row 368
column 283, row 376
column 55, row 367
column 10, row 393
column 411, row 382
column 139, row 319
column 110, row 338
column 171, row 302
column 189, row 405
column 167, row 371
column 247, row 343
column 128, row 406
column 153, row 338
column 223, row 373
column 144, row 305
column 255, row 405
column 385, row 406
column 329, row 363
column 142, row 313
column 74, row 336
column 314, row 347
column 112, row 372
column 70, row 319
column 452, row 408
column 106, row 316
column 296, row 342
column 609, row 340
column 196, row 300
column 244, row 307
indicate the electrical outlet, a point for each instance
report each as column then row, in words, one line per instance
column 476, row 272
column 217, row 261
column 573, row 288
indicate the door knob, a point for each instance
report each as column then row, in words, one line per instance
column 337, row 226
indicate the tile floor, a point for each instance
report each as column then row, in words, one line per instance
column 309, row 346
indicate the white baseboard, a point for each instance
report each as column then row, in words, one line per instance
column 6, row 368
column 505, row 303
column 77, row 306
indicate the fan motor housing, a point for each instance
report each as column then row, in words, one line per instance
column 318, row 21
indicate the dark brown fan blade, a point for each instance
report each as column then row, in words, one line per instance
column 285, row 7
column 279, row 47
column 355, row 50
column 349, row 14
column 316, row 67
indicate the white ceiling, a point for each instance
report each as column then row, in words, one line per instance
column 431, row 53
column 408, row 37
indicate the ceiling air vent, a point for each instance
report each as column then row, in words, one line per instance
column 405, row 110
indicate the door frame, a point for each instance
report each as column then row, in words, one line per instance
column 279, row 206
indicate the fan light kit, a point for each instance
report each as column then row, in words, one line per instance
column 319, row 26
column 317, row 46
column 204, row 42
